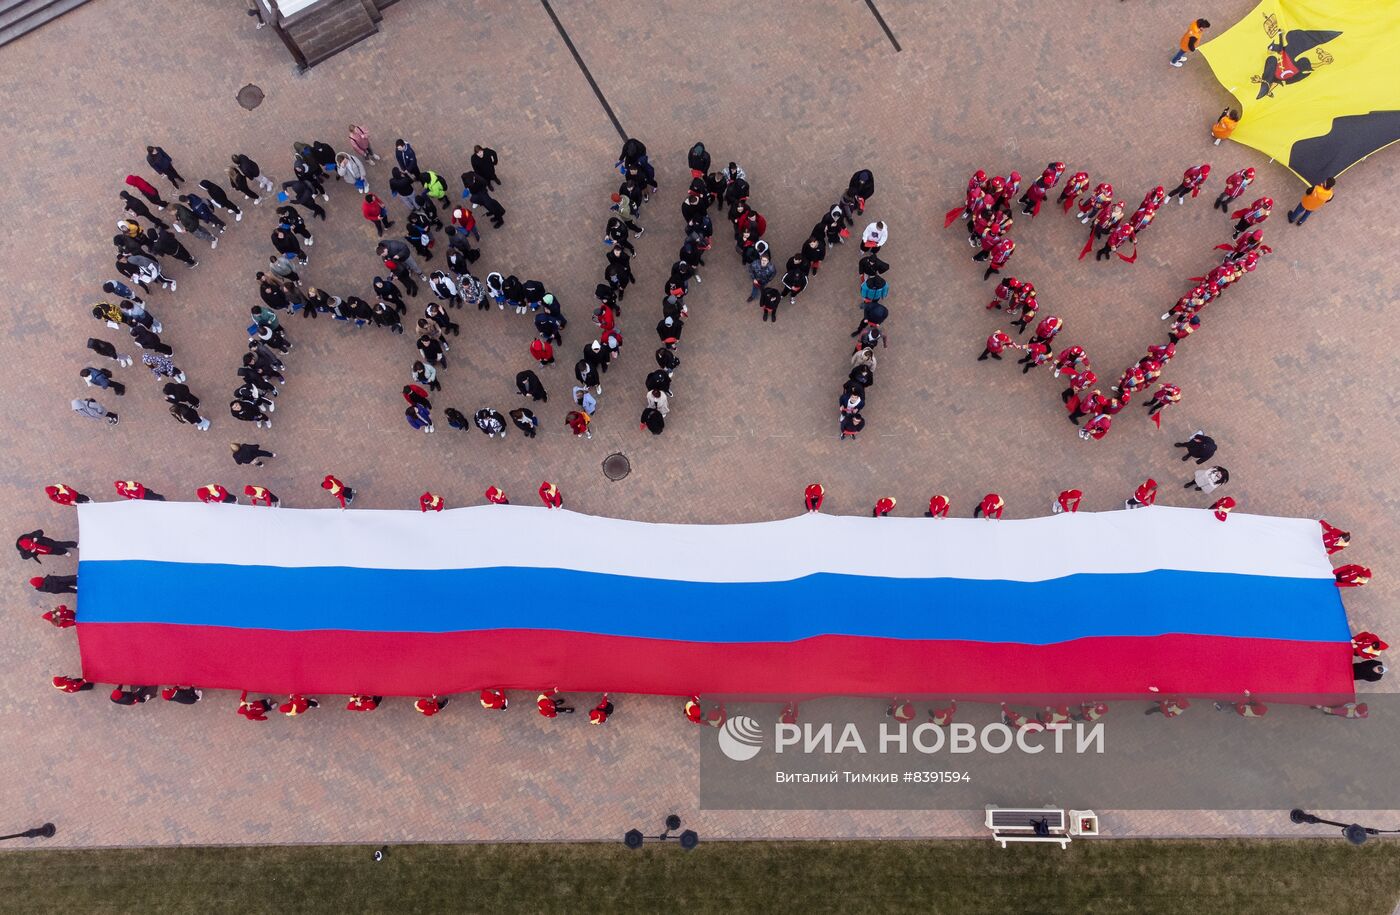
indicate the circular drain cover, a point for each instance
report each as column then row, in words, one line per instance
column 616, row 466
column 250, row 96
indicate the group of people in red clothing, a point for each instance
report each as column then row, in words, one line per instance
column 987, row 209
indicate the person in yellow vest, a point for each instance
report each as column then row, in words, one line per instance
column 1312, row 201
column 1189, row 40
column 1225, row 125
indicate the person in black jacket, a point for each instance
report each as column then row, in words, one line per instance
column 484, row 161
column 244, row 453
column 529, row 385
column 1199, row 446
column 159, row 160
column 165, row 244
column 250, row 170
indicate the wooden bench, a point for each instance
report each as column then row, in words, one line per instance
column 1018, row 824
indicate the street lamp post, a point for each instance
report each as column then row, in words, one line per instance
column 1355, row 833
column 38, row 832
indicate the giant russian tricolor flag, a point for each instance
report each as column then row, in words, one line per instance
column 403, row 603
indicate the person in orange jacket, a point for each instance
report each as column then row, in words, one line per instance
column 1225, row 125
column 1189, row 40
column 1312, row 201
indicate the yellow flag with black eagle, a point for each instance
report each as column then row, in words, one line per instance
column 1318, row 81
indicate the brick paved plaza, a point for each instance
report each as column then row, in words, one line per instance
column 1287, row 373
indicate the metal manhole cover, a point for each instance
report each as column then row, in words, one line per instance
column 250, row 96
column 616, row 466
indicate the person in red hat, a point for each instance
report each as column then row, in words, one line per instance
column 1234, row 187
column 990, row 507
column 1040, row 189
column 788, row 715
column 496, row 496
column 34, row 544
column 996, row 251
column 1144, row 495
column 1012, row 718
column 72, row 684
column 182, row 695
column 1004, row 295
column 60, row 617
column 297, row 704
column 1046, row 330
column 1345, row 710
column 1168, row 708
column 1053, row 716
column 1249, row 708
column 1090, row 712
column 1072, row 189
column 1191, row 181
column 812, row 497
column 1223, row 507
column 429, row 706
column 65, row 495
column 996, row 343
column 1334, row 538
column 1097, row 427
column 717, row 715
column 551, row 704
column 55, row 584
column 342, row 493
column 600, row 712
column 943, row 715
column 883, row 506
column 213, row 492
column 937, row 507
column 1101, row 199
column 494, row 699
column 359, row 703
column 1163, row 397
column 1252, row 215
column 260, row 495
column 694, row 713
column 900, row 711
column 253, row 709
column 1028, row 303
column 430, row 502
column 131, row 489
column 550, row 495
column 1351, row 576
column 1037, row 354
column 1067, row 501
column 1367, row 645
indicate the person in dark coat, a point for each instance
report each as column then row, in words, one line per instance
column 55, row 584
column 34, row 544
column 529, row 385
column 1199, row 446
column 484, row 162
column 160, row 162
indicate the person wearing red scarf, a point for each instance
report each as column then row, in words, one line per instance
column 1097, row 427
column 1072, row 189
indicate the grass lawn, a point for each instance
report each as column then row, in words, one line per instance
column 1200, row 877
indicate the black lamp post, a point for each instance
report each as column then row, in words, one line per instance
column 1355, row 833
column 633, row 838
column 38, row 832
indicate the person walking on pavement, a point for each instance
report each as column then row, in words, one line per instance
column 160, row 162
column 102, row 378
column 90, row 408
column 220, row 199
column 1312, row 201
column 1189, row 40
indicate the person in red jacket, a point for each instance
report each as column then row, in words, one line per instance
column 996, row 251
column 550, row 704
column 60, row 617
column 550, row 495
column 883, row 506
column 1351, row 576
column 1234, row 187
column 812, row 497
column 1144, row 495
column 342, row 493
column 1097, row 427
column 996, row 343
column 694, row 712
column 253, row 710
column 937, row 507
column 147, row 190
column 1067, row 501
column 1163, row 397
column 600, row 712
column 990, row 507
column 430, row 705
column 65, row 495
column 297, row 704
column 901, row 711
column 496, row 496
column 542, row 351
column 1040, row 189
column 34, row 544
column 72, row 684
column 430, row 502
column 1334, row 538
column 259, row 495
column 1345, row 710
column 1223, row 507
column 359, row 703
column 1252, row 215
column 213, row 492
column 788, row 714
column 1073, row 188
column 494, row 699
column 373, row 210
column 131, row 489
column 1168, row 708
column 1367, row 645
column 1037, row 354
column 1191, row 181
